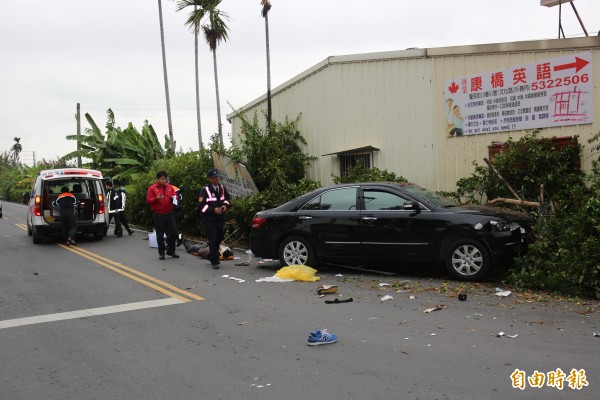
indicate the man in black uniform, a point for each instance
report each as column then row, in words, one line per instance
column 214, row 203
column 66, row 203
column 115, row 205
column 122, row 216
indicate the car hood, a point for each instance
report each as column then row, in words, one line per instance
column 490, row 211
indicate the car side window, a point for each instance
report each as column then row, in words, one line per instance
column 343, row 199
column 376, row 200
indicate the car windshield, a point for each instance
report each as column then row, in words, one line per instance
column 430, row 196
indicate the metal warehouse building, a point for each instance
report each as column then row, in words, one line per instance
column 427, row 114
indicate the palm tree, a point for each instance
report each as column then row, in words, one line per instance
column 266, row 7
column 164, row 59
column 201, row 8
column 15, row 150
column 214, row 32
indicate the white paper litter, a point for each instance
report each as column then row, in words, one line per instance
column 386, row 298
column 233, row 278
column 504, row 293
column 339, row 275
column 274, row 279
column 384, row 284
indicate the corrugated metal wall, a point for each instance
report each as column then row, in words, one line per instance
column 394, row 101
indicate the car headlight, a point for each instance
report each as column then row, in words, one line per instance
column 505, row 226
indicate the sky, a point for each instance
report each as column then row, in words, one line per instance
column 107, row 54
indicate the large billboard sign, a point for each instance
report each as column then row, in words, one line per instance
column 236, row 177
column 556, row 92
column 552, row 3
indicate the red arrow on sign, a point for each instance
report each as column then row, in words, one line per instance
column 578, row 65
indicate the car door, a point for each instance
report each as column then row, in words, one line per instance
column 332, row 221
column 390, row 231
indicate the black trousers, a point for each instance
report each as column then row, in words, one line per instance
column 69, row 225
column 117, row 217
column 124, row 221
column 165, row 224
column 214, row 234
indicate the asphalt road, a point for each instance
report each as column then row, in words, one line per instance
column 108, row 320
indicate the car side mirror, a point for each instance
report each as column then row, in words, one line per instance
column 411, row 206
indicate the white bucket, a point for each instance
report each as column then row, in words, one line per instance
column 152, row 239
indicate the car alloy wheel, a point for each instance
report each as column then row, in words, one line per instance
column 296, row 251
column 467, row 260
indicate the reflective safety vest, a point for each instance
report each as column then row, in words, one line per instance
column 66, row 202
column 211, row 198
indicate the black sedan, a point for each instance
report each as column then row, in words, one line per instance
column 375, row 223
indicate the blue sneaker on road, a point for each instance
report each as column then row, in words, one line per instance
column 321, row 337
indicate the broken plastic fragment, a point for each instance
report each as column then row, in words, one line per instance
column 438, row 307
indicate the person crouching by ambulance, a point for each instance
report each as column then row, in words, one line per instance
column 66, row 202
column 214, row 203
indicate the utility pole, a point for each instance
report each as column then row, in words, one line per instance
column 78, row 118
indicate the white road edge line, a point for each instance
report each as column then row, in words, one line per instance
column 90, row 312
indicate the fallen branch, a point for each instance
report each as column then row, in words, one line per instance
column 513, row 201
column 514, row 193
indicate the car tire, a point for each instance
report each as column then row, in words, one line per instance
column 37, row 239
column 295, row 250
column 467, row 260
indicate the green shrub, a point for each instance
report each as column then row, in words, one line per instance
column 566, row 255
column 186, row 171
column 526, row 164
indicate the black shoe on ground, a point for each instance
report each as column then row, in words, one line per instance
column 119, row 235
column 214, row 266
column 161, row 256
column 71, row 242
column 174, row 255
column 130, row 233
column 179, row 240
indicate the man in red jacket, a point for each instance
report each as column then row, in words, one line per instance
column 160, row 198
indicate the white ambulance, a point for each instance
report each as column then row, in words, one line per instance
column 43, row 219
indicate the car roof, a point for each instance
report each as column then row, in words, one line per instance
column 62, row 173
column 300, row 200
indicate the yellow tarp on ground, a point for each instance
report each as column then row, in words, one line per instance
column 298, row 273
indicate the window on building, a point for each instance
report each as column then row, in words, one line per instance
column 348, row 161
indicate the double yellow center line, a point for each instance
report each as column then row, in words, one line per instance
column 131, row 273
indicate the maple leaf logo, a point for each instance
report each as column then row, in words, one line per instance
column 453, row 88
